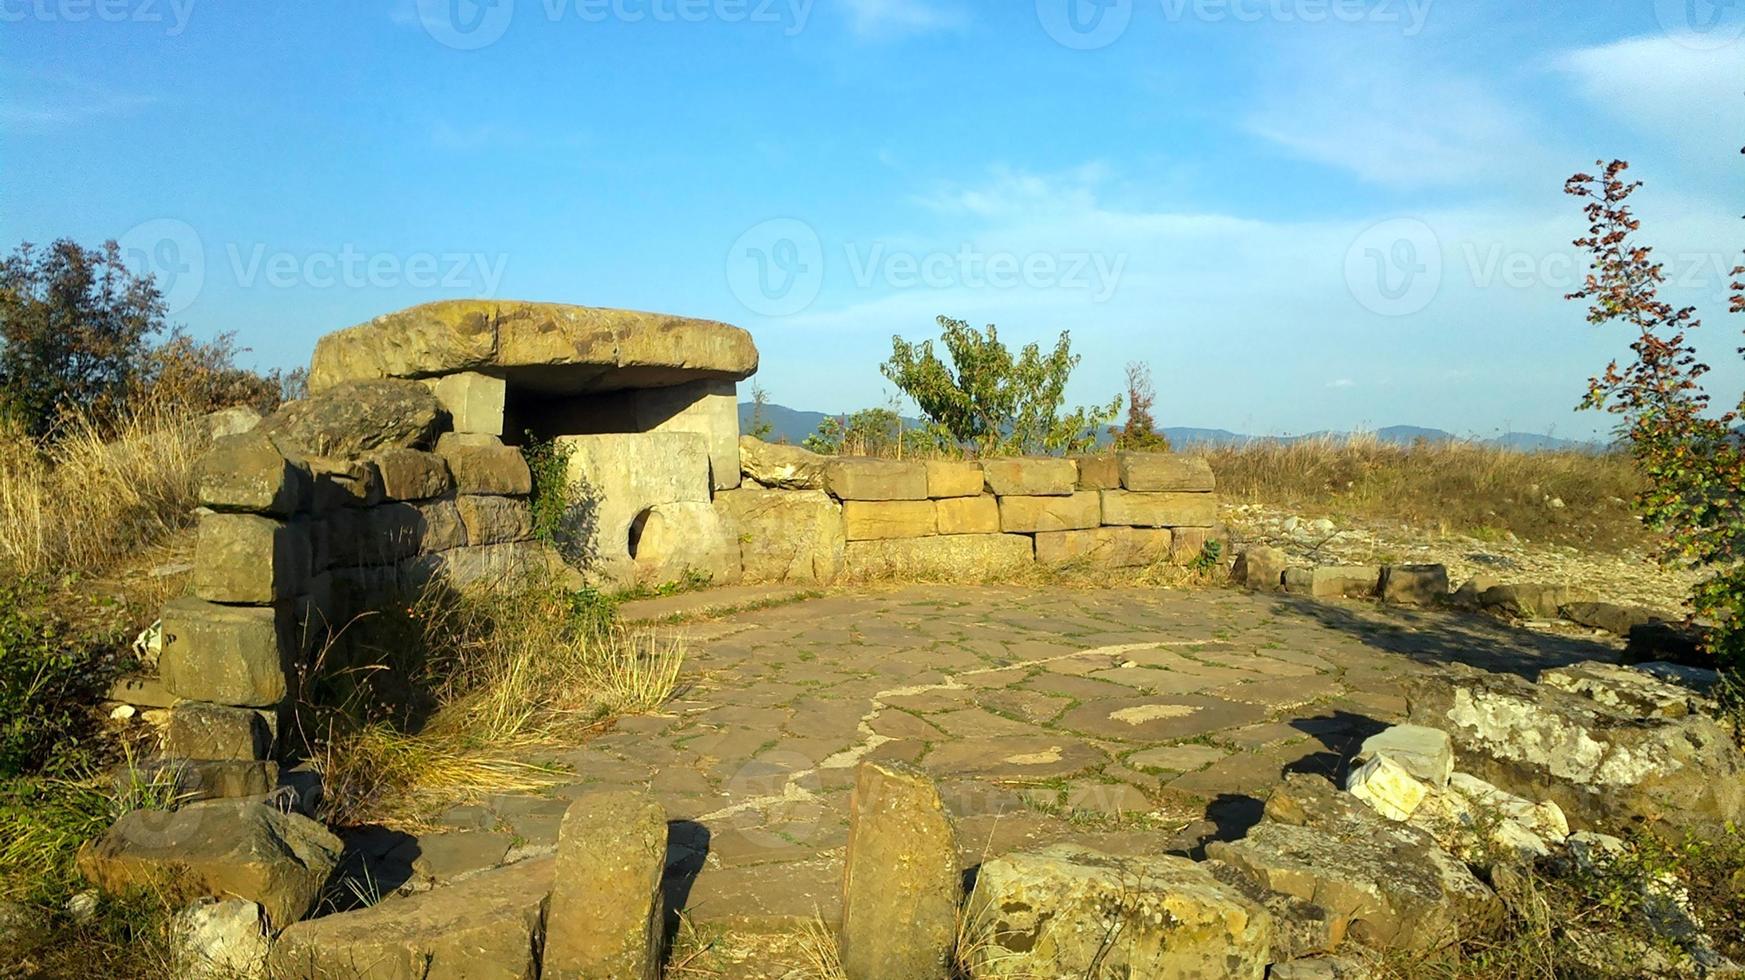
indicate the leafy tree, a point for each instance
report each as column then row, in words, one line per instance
column 73, row 326
column 988, row 399
column 870, row 432
column 1693, row 459
column 1140, row 433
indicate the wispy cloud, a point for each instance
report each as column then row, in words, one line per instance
column 894, row 18
column 1673, row 93
column 43, row 101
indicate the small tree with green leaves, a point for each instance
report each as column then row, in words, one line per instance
column 1692, row 459
column 987, row 399
column 1140, row 433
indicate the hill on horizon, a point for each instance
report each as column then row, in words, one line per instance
column 794, row 425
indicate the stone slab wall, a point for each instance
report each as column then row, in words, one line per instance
column 807, row 518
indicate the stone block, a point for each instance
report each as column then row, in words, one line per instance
column 221, row 940
column 1188, row 544
column 219, row 849
column 1426, row 753
column 1533, row 600
column 198, row 730
column 246, row 558
column 488, row 925
column 1031, row 477
column 1165, row 472
column 954, row 478
column 708, row 408
column 1414, row 585
column 1101, row 472
column 1029, row 515
column 409, row 474
column 605, row 921
column 901, row 884
column 394, row 532
column 247, row 473
column 1129, row 508
column 492, row 564
column 945, row 557
column 355, row 419
column 228, row 655
column 195, row 780
column 855, row 478
column 780, row 466
column 622, row 478
column 341, row 483
column 495, row 520
column 1105, row 547
column 968, row 515
column 1387, row 787
column 783, row 535
column 1261, row 568
column 679, row 539
column 1348, row 582
column 878, row 520
column 474, row 402
column 1068, row 911
column 494, row 470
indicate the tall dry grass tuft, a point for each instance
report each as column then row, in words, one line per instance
column 97, row 493
column 1461, row 487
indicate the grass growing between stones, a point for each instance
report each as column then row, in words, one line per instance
column 1469, row 488
column 472, row 681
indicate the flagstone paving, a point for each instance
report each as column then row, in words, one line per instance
column 1137, row 721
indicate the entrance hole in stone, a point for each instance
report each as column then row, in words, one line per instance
column 639, row 532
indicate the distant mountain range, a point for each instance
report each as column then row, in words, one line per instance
column 793, row 425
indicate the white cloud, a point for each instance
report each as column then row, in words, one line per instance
column 48, row 102
column 1686, row 97
column 1342, row 383
column 889, row 18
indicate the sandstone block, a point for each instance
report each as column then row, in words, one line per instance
column 946, row 557
column 1188, row 544
column 221, row 940
column 495, row 520
column 709, row 408
column 1425, row 753
column 1387, row 787
column 878, row 520
column 785, row 536
column 1102, row 472
column 968, row 515
column 1028, row 515
column 1133, row 509
column 245, row 558
column 1155, row 472
column 219, row 849
column 495, row 470
column 356, row 418
column 623, row 477
column 1068, row 911
column 195, row 780
column 1414, row 585
column 1031, row 477
column 605, row 919
column 676, row 539
column 1614, row 618
column 248, row 473
column 1531, row 601
column 852, row 478
column 224, row 654
column 1348, row 582
column 1108, row 547
column 504, row 564
column 1260, row 568
column 393, row 532
column 954, row 478
column 488, row 925
column 901, row 883
column 474, row 402
column 198, row 730
column 411, row 475
column 781, row 467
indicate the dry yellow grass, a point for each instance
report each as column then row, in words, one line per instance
column 1460, row 487
column 96, row 494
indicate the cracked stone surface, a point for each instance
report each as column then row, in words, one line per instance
column 1133, row 721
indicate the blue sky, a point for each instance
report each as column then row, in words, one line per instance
column 1304, row 214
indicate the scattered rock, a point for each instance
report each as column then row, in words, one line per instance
column 1068, row 911
column 1426, row 753
column 1387, row 787
column 901, row 886
column 1616, row 619
column 221, row 940
column 781, row 467
column 356, row 418
column 219, row 849
column 1261, row 568
column 605, row 919
column 1414, row 585
column 1530, row 601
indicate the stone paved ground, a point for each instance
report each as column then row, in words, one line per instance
column 1134, row 720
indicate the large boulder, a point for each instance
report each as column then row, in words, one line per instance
column 785, row 535
column 1532, row 600
column 780, row 467
column 218, row 849
column 548, row 348
column 1616, row 748
column 1067, row 911
column 901, row 884
column 605, row 918
column 357, row 418
column 1415, row 585
column 1378, row 882
column 488, row 925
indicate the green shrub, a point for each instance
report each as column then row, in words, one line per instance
column 51, row 676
